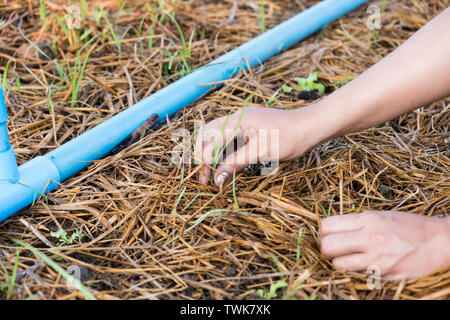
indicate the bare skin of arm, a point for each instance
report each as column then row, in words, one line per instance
column 415, row 74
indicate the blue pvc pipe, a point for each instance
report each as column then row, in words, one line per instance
column 8, row 164
column 96, row 143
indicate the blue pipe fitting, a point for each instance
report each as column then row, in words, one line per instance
column 37, row 177
column 8, row 164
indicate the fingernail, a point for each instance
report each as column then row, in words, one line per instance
column 222, row 177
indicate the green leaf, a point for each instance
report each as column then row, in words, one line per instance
column 309, row 84
column 60, row 234
column 236, row 204
column 274, row 287
column 286, row 89
column 299, row 242
column 260, row 292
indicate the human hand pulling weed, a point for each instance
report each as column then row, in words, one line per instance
column 401, row 245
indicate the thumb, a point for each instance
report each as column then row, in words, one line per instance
column 244, row 156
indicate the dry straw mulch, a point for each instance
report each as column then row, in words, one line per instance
column 130, row 205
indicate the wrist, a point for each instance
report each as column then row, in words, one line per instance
column 317, row 123
column 308, row 131
column 346, row 110
column 447, row 239
column 439, row 241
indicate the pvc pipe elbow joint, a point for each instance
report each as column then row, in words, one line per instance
column 36, row 178
column 8, row 164
column 21, row 186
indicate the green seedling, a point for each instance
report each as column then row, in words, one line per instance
column 206, row 215
column 197, row 222
column 139, row 34
column 5, row 75
column 150, row 40
column 42, row 12
column 185, row 68
column 172, row 56
column 310, row 84
column 262, row 16
column 203, row 34
column 182, row 177
column 345, row 81
column 236, row 204
column 54, row 41
column 10, row 280
column 312, row 297
column 71, row 279
column 277, row 262
column 124, row 34
column 32, row 297
column 177, row 201
column 61, row 72
column 274, row 98
column 375, row 34
column 272, row 293
column 187, row 47
column 65, row 29
column 18, row 83
column 111, row 29
column 335, row 149
column 330, row 206
column 299, row 243
column 77, row 72
column 85, row 35
column 97, row 15
column 286, row 89
column 217, row 144
column 306, row 84
column 83, row 9
column 61, row 235
column 348, row 34
column 195, row 198
column 56, row 256
column 219, row 151
column 49, row 100
column 76, row 76
column 327, row 212
column 104, row 35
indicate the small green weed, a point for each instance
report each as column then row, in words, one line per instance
column 306, row 84
column 64, row 240
column 272, row 293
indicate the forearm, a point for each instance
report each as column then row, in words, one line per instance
column 417, row 73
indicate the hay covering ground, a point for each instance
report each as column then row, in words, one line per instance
column 130, row 205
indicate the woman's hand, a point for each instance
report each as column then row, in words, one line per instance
column 385, row 91
column 400, row 245
column 266, row 135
